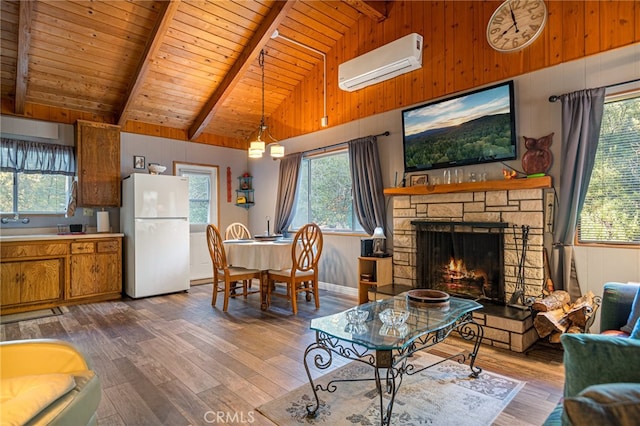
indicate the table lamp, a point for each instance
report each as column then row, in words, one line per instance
column 378, row 242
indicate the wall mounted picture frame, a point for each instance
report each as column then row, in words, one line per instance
column 138, row 162
column 421, row 179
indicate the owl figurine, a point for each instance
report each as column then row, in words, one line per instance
column 538, row 158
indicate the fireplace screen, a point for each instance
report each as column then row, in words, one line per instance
column 465, row 264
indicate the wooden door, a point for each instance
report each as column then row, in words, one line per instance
column 10, row 279
column 41, row 280
column 98, row 164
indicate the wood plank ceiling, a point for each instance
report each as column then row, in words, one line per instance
column 187, row 65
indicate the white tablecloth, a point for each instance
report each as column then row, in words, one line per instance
column 262, row 255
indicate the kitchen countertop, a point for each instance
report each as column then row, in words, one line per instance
column 40, row 237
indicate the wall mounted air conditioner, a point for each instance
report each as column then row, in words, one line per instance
column 383, row 63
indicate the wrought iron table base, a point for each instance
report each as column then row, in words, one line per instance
column 394, row 362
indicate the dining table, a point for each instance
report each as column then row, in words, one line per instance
column 262, row 255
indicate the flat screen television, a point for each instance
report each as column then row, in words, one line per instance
column 470, row 128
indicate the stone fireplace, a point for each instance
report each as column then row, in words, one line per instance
column 494, row 207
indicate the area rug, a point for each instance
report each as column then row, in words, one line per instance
column 25, row 316
column 441, row 395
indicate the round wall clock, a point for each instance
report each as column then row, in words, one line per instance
column 516, row 24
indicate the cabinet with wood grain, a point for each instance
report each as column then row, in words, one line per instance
column 98, row 156
column 96, row 268
column 32, row 275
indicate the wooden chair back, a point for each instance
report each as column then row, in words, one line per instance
column 216, row 249
column 236, row 231
column 307, row 247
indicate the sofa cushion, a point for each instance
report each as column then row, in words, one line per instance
column 617, row 403
column 633, row 315
column 23, row 397
column 591, row 359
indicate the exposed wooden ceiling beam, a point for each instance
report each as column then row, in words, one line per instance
column 24, row 44
column 153, row 45
column 268, row 25
column 375, row 10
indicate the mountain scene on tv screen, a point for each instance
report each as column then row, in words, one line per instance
column 483, row 139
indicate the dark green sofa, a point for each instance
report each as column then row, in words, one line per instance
column 602, row 371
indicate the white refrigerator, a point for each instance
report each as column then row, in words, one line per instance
column 155, row 220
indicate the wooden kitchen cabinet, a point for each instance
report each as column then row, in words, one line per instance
column 96, row 268
column 98, row 156
column 32, row 275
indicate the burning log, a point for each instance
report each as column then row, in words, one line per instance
column 564, row 319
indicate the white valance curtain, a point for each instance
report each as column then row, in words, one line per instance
column 36, row 157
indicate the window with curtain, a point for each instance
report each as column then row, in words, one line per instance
column 203, row 194
column 324, row 193
column 35, row 177
column 611, row 212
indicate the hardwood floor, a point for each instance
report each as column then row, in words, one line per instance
column 175, row 360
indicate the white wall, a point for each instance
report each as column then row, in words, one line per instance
column 535, row 117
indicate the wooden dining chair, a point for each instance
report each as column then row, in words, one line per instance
column 236, row 231
column 303, row 276
column 227, row 279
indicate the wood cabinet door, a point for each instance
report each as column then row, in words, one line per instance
column 41, row 280
column 108, row 278
column 83, row 276
column 98, row 147
column 10, row 278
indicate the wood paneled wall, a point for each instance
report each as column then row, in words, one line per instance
column 456, row 56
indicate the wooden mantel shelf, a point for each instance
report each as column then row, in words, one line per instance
column 493, row 185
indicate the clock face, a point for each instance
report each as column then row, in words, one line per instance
column 516, row 24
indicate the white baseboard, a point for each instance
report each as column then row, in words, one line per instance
column 338, row 288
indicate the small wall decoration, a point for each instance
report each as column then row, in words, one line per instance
column 538, row 158
column 228, row 184
column 422, row 179
column 138, row 162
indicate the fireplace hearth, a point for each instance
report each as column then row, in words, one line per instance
column 464, row 259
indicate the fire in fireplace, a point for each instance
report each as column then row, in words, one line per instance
column 464, row 259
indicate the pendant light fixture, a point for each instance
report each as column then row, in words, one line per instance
column 257, row 147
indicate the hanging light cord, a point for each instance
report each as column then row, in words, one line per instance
column 261, row 63
column 263, row 127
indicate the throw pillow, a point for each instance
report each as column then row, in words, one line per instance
column 591, row 359
column 610, row 403
column 635, row 334
column 633, row 316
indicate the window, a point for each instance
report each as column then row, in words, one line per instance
column 35, row 178
column 324, row 193
column 611, row 212
column 34, row 193
column 203, row 194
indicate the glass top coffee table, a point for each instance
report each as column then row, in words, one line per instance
column 388, row 349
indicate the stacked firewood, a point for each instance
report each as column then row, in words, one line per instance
column 556, row 315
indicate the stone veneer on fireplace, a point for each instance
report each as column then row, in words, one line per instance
column 480, row 203
column 518, row 202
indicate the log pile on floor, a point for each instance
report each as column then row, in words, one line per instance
column 556, row 315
